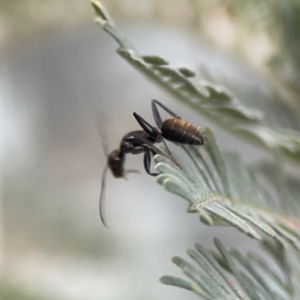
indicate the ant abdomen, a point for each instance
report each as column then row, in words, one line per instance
column 180, row 131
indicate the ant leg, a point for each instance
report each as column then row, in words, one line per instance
column 131, row 171
column 147, row 162
column 152, row 131
column 166, row 146
column 170, row 155
column 150, row 145
column 155, row 150
column 156, row 113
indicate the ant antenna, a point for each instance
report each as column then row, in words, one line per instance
column 102, row 197
column 104, row 142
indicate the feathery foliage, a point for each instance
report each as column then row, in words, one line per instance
column 225, row 191
column 257, row 124
column 227, row 274
column 222, row 189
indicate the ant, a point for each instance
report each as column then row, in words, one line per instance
column 139, row 141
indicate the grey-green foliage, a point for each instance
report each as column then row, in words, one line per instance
column 218, row 103
column 258, row 122
column 223, row 190
column 227, row 274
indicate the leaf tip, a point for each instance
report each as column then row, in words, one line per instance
column 99, row 10
column 176, row 260
column 187, row 72
column 155, row 60
column 164, row 279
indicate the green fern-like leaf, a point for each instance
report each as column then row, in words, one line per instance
column 224, row 191
column 227, row 274
column 210, row 99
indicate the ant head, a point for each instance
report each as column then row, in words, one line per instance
column 115, row 162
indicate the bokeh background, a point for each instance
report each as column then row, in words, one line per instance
column 59, row 74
